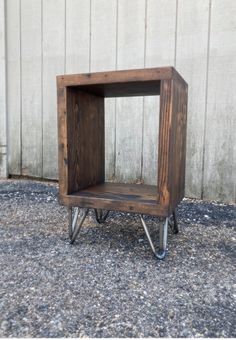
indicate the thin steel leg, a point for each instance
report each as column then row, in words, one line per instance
column 163, row 232
column 72, row 220
column 174, row 224
column 76, row 228
column 161, row 252
column 100, row 218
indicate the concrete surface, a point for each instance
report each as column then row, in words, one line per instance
column 108, row 284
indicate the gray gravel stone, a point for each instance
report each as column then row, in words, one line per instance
column 108, row 284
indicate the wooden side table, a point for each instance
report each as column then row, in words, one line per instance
column 81, row 148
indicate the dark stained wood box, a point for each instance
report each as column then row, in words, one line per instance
column 82, row 147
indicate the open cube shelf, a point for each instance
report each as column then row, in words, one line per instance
column 81, row 140
column 82, row 147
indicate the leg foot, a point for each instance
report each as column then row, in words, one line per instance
column 160, row 255
column 100, row 217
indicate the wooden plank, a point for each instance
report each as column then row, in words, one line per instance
column 129, row 115
column 3, row 111
column 77, row 36
column 172, row 142
column 191, row 62
column 129, row 89
column 164, row 144
column 31, row 65
column 62, row 140
column 85, row 139
column 178, row 141
column 160, row 35
column 119, row 197
column 13, row 85
column 103, row 35
column 53, row 64
column 146, row 193
column 103, row 58
column 117, row 77
column 160, row 51
column 220, row 146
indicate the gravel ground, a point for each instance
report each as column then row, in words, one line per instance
column 108, row 284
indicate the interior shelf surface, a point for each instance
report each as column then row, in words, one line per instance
column 119, row 191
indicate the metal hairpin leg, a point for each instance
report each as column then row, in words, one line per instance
column 74, row 228
column 160, row 253
column 100, row 218
column 163, row 231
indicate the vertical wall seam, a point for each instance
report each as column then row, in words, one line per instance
column 65, row 23
column 90, row 33
column 42, row 69
column 20, row 37
column 144, row 65
column 206, row 97
column 6, row 85
column 116, row 65
column 117, row 10
column 176, row 31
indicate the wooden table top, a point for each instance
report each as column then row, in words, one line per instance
column 138, row 82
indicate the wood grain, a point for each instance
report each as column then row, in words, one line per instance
column 172, row 142
column 178, row 142
column 62, row 140
column 119, row 197
column 119, row 77
column 82, row 157
column 85, row 138
column 164, row 145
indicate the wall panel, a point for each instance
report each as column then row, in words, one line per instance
column 103, row 58
column 191, row 62
column 13, row 46
column 220, row 145
column 3, row 115
column 160, row 51
column 77, row 44
column 129, row 111
column 31, row 82
column 49, row 37
column 53, row 64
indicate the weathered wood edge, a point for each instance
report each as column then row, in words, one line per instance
column 154, row 209
column 62, row 139
column 167, row 195
column 110, row 77
column 163, row 206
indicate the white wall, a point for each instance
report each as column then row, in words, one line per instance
column 49, row 37
column 3, row 116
